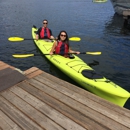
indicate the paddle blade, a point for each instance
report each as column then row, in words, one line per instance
column 22, row 55
column 74, row 39
column 15, row 39
column 94, row 53
column 99, row 1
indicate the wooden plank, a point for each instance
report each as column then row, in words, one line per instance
column 31, row 112
column 88, row 102
column 68, row 110
column 17, row 116
column 88, row 95
column 5, row 72
column 50, row 112
column 4, row 65
column 4, row 125
column 1, row 62
column 76, row 105
column 32, row 72
column 7, row 123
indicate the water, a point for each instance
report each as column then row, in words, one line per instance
column 99, row 28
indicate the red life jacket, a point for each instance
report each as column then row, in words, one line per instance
column 62, row 48
column 43, row 32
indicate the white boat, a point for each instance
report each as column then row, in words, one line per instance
column 120, row 6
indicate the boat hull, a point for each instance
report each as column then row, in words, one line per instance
column 74, row 69
column 120, row 6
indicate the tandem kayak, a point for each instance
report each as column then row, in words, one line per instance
column 83, row 74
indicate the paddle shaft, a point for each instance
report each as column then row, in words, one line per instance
column 29, row 55
column 16, row 39
column 90, row 53
column 59, row 54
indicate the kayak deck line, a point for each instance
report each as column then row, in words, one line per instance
column 77, row 70
column 43, row 101
column 83, row 74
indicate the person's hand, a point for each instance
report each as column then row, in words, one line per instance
column 77, row 52
column 56, row 38
column 51, row 53
column 37, row 37
column 52, row 38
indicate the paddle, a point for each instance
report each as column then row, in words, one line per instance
column 29, row 55
column 16, row 39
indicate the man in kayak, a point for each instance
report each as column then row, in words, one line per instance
column 44, row 32
column 61, row 45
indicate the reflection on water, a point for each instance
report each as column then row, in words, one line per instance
column 116, row 26
column 118, row 52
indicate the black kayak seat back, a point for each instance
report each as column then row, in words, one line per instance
column 91, row 74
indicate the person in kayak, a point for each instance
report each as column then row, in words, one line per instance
column 44, row 32
column 61, row 45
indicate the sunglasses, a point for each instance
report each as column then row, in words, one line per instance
column 44, row 23
column 63, row 35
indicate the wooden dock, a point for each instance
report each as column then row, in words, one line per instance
column 40, row 101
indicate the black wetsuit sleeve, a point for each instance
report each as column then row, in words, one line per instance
column 39, row 30
column 50, row 32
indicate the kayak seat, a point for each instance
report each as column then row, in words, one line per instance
column 71, row 56
column 91, row 74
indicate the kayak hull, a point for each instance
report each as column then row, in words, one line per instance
column 74, row 68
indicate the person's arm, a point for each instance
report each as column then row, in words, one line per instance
column 51, row 36
column 50, row 32
column 71, row 51
column 37, row 33
column 53, row 48
column 37, row 36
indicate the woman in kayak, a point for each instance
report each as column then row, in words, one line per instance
column 44, row 32
column 61, row 45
